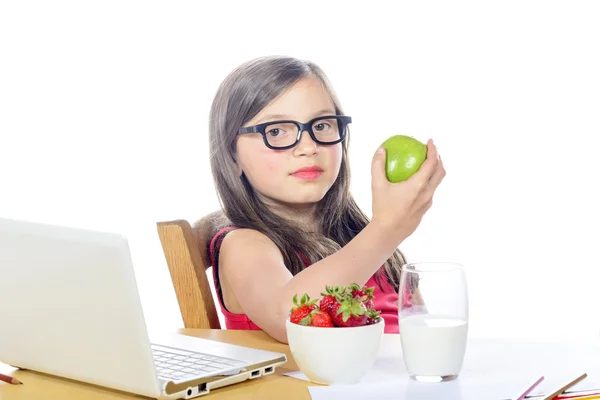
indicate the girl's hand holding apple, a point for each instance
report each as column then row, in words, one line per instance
column 415, row 171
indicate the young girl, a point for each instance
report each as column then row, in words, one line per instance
column 278, row 153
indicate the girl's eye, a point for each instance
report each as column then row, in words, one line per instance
column 275, row 132
column 321, row 126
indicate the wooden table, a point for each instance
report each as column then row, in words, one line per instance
column 41, row 386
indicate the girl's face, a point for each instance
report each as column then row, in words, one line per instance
column 275, row 173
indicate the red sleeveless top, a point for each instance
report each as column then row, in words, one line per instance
column 385, row 300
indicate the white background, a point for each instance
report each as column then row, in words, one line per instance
column 103, row 124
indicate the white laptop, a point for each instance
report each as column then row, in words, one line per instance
column 69, row 306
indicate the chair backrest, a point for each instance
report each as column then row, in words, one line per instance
column 187, row 254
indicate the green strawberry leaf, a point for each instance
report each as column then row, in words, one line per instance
column 303, row 299
column 306, row 320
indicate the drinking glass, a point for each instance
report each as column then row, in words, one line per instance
column 433, row 315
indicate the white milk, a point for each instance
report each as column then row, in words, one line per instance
column 433, row 345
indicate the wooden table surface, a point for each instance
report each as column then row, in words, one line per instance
column 41, row 386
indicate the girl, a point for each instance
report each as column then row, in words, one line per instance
column 279, row 158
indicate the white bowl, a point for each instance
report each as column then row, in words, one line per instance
column 334, row 355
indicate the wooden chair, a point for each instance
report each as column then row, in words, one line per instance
column 186, row 251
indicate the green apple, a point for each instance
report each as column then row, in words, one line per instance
column 404, row 156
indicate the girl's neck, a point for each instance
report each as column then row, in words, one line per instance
column 306, row 218
column 303, row 214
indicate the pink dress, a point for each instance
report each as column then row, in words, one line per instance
column 385, row 300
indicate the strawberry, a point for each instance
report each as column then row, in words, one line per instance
column 372, row 317
column 348, row 312
column 330, row 297
column 364, row 294
column 322, row 319
column 317, row 318
column 302, row 309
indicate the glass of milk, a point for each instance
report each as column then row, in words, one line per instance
column 433, row 310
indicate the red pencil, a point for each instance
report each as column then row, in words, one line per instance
column 10, row 379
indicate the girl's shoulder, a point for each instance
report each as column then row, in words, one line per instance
column 235, row 244
column 235, row 234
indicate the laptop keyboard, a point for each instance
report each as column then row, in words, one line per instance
column 178, row 364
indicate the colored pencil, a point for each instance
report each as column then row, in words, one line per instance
column 529, row 388
column 567, row 385
column 10, row 379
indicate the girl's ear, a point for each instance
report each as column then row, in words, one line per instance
column 238, row 167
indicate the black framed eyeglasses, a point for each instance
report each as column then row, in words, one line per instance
column 285, row 134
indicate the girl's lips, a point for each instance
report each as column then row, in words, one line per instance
column 307, row 175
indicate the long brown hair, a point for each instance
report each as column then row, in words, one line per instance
column 241, row 96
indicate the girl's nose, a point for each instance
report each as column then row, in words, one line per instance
column 306, row 146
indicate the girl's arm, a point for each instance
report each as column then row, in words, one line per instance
column 252, row 269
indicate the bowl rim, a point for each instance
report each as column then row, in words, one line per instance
column 381, row 321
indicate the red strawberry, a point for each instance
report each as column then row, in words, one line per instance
column 302, row 309
column 364, row 294
column 317, row 318
column 330, row 297
column 322, row 319
column 348, row 313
